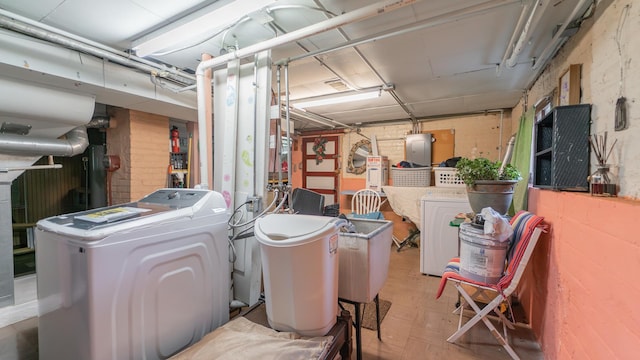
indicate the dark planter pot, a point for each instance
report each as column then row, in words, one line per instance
column 496, row 194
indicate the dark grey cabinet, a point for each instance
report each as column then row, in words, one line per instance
column 561, row 149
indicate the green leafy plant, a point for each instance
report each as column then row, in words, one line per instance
column 470, row 170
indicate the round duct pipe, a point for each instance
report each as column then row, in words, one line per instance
column 75, row 143
column 49, row 111
column 46, row 113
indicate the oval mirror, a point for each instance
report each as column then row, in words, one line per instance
column 357, row 161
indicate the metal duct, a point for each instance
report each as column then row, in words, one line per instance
column 75, row 143
column 44, row 113
column 50, row 111
column 99, row 122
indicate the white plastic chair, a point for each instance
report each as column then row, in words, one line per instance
column 527, row 228
column 365, row 201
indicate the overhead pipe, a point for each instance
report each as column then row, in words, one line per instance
column 424, row 119
column 556, row 41
column 29, row 27
column 376, row 9
column 445, row 18
column 320, row 61
column 391, row 91
column 512, row 40
column 441, row 19
column 75, row 143
column 523, row 39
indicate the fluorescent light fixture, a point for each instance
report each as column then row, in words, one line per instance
column 197, row 25
column 331, row 100
column 318, row 119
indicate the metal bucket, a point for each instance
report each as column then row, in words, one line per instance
column 482, row 258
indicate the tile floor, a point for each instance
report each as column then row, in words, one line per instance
column 416, row 326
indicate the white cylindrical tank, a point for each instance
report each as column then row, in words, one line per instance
column 300, row 265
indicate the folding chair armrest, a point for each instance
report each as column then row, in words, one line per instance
column 483, row 287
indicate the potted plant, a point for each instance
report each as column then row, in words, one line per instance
column 489, row 184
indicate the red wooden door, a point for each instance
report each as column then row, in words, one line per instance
column 320, row 166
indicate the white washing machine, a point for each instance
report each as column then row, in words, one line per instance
column 141, row 280
column 439, row 240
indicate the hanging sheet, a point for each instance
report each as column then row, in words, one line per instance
column 521, row 159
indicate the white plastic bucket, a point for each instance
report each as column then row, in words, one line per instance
column 300, row 271
column 481, row 257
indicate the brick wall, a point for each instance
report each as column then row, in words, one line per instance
column 149, row 153
column 142, row 142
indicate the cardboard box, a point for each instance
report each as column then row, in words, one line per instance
column 363, row 259
column 377, row 172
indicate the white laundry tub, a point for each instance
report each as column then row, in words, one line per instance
column 364, row 259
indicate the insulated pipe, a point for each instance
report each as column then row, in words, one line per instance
column 44, row 32
column 524, row 36
column 75, row 143
column 330, row 24
column 507, row 51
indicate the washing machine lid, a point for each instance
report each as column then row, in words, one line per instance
column 283, row 230
column 160, row 206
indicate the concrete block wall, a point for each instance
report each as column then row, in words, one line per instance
column 142, row 142
column 483, row 135
column 603, row 62
column 579, row 291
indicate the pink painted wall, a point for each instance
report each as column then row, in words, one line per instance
column 581, row 290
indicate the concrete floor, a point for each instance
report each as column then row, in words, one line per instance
column 416, row 326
